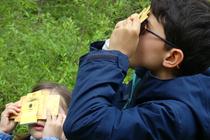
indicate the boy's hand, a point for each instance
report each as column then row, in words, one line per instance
column 6, row 124
column 125, row 36
column 54, row 126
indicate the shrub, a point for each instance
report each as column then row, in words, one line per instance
column 42, row 40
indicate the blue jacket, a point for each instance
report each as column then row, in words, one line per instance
column 5, row 136
column 176, row 109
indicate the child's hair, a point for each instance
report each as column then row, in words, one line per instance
column 187, row 25
column 61, row 90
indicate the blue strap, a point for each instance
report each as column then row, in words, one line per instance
column 135, row 83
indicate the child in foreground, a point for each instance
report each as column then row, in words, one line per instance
column 171, row 93
column 50, row 129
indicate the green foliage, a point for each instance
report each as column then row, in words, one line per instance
column 42, row 40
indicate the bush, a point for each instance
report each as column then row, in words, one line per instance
column 42, row 40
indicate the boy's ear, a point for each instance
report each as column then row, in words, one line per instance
column 173, row 58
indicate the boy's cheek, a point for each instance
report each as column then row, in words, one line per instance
column 135, row 61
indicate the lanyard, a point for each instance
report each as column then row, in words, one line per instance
column 135, row 83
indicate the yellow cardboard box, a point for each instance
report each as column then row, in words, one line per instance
column 37, row 105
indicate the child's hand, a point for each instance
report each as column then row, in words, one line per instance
column 6, row 124
column 125, row 36
column 54, row 126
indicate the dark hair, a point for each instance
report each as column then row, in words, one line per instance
column 187, row 25
column 61, row 90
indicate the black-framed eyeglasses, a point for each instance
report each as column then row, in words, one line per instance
column 144, row 29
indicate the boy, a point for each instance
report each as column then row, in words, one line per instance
column 172, row 99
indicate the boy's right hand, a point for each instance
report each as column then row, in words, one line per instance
column 6, row 124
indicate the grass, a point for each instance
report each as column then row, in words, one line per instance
column 42, row 40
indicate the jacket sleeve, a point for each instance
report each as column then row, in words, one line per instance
column 93, row 114
column 5, row 136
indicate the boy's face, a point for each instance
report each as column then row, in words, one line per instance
column 150, row 51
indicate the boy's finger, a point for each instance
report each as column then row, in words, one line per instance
column 133, row 16
column 120, row 24
column 137, row 23
column 129, row 22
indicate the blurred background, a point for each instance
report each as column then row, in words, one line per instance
column 42, row 40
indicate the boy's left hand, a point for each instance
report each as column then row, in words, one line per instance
column 125, row 36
